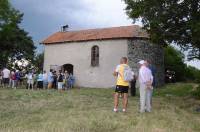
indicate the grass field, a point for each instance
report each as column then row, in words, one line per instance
column 90, row 110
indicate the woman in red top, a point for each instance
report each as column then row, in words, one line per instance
column 13, row 79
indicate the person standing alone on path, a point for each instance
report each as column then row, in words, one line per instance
column 145, row 82
column 122, row 86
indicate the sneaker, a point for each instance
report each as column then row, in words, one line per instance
column 123, row 110
column 115, row 110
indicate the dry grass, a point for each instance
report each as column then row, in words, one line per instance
column 90, row 110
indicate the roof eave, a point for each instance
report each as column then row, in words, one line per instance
column 60, row 42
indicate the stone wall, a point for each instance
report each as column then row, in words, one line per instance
column 144, row 50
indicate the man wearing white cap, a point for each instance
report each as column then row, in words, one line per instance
column 145, row 81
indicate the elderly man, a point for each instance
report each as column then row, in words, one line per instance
column 145, row 82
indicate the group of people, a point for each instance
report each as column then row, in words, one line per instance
column 11, row 78
column 50, row 80
column 64, row 80
column 41, row 80
column 146, row 80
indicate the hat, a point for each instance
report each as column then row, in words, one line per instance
column 141, row 62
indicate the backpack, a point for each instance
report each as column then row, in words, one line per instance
column 128, row 74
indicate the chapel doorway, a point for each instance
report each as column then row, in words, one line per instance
column 68, row 67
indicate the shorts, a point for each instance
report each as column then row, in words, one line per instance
column 60, row 85
column 30, row 81
column 40, row 84
column 50, row 85
column 6, row 80
column 121, row 89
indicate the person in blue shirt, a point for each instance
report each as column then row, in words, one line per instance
column 153, row 72
column 40, row 80
column 71, row 80
column 18, row 77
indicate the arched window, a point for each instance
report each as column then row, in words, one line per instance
column 95, row 56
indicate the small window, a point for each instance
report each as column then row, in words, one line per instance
column 95, row 56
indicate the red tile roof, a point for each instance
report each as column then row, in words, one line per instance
column 132, row 31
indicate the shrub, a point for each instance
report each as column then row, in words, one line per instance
column 196, row 93
column 192, row 74
column 174, row 61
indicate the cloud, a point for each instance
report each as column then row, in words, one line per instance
column 195, row 63
column 106, row 13
column 44, row 17
column 77, row 13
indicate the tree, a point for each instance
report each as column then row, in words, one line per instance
column 174, row 60
column 15, row 44
column 38, row 62
column 170, row 21
column 192, row 74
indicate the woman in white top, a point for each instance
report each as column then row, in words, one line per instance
column 30, row 80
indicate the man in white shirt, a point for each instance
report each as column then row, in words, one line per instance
column 30, row 80
column 6, row 77
column 145, row 82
